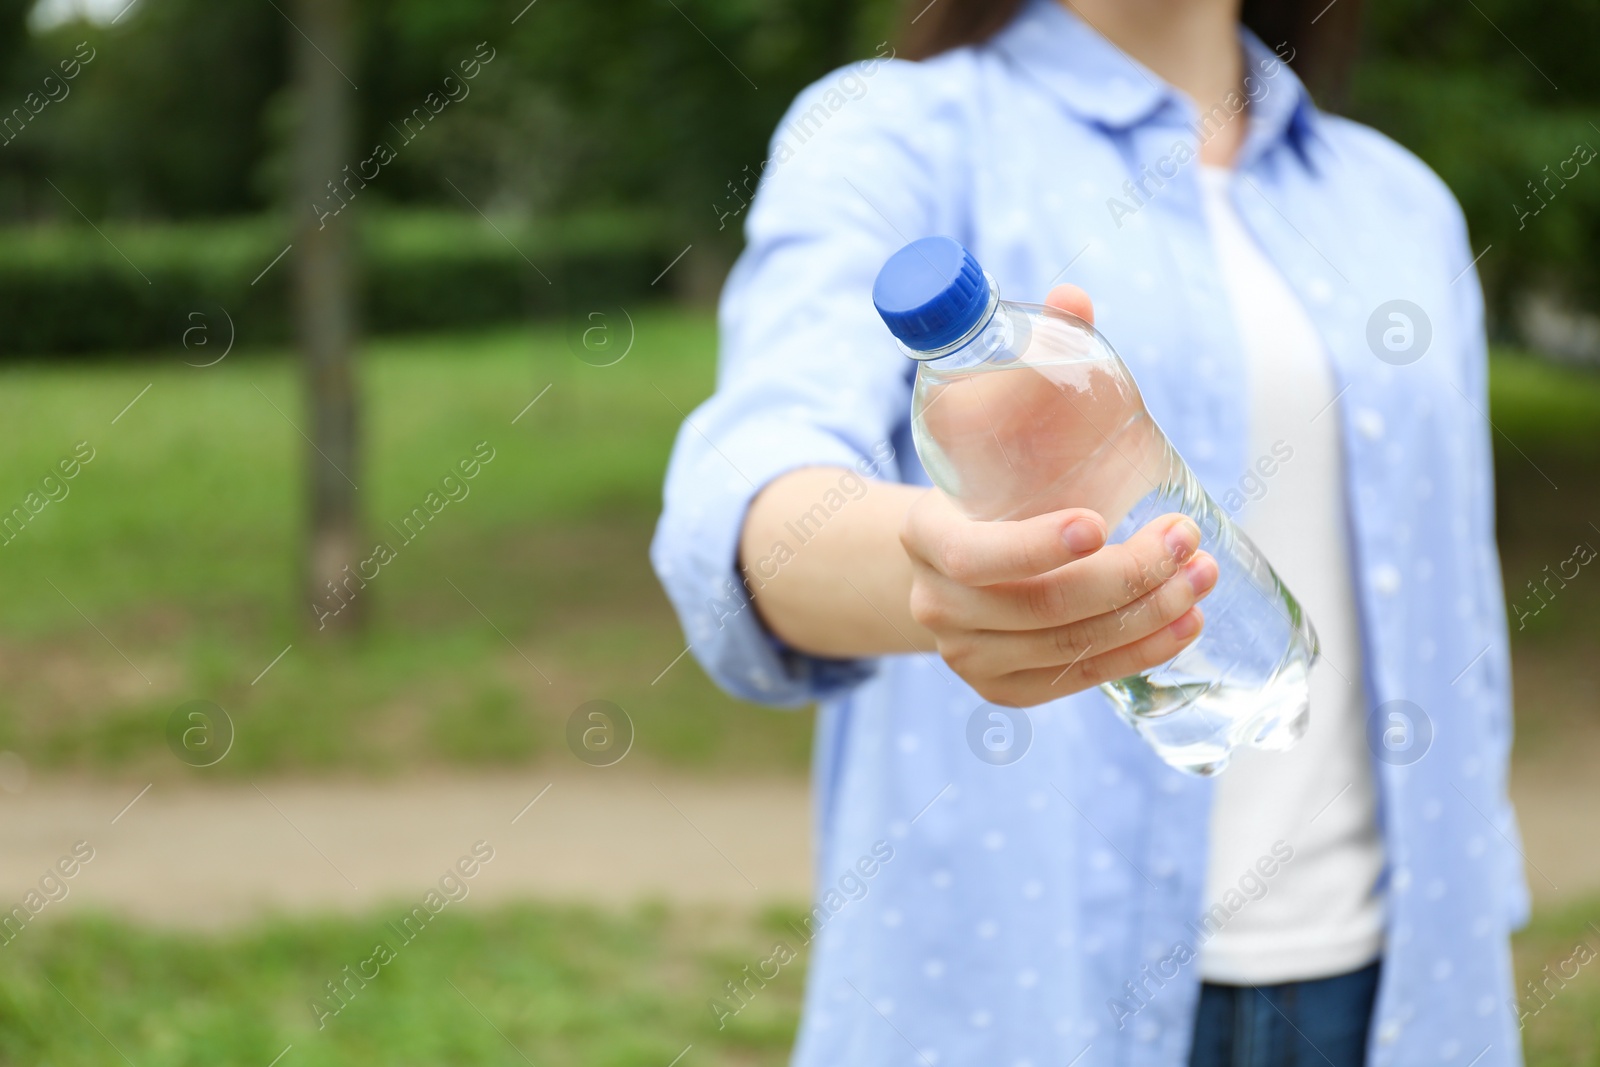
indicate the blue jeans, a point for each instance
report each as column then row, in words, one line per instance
column 1321, row 1023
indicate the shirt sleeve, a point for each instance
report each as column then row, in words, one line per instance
column 807, row 375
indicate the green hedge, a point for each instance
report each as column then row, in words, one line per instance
column 69, row 289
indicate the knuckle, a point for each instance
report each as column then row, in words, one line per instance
column 1045, row 601
column 911, row 525
column 1096, row 671
column 920, row 542
column 910, row 538
column 955, row 560
column 1153, row 611
column 1070, row 642
column 928, row 608
column 1159, row 563
column 1137, row 578
column 959, row 652
column 1175, row 599
column 1111, row 630
column 920, row 530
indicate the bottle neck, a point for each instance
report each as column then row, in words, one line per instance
column 954, row 347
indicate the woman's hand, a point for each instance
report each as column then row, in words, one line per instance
column 1033, row 610
column 1025, row 611
column 1030, row 611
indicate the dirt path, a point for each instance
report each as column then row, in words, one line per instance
column 208, row 858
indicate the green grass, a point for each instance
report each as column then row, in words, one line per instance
column 179, row 545
column 1565, row 1031
column 562, row 987
column 1548, row 410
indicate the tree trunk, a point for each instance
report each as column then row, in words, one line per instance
column 324, row 308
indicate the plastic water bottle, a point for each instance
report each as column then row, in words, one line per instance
column 1022, row 409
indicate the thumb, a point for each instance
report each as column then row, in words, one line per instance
column 1072, row 300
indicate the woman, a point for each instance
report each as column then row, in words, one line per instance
column 1295, row 295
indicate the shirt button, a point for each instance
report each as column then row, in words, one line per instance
column 1369, row 424
column 1388, row 1033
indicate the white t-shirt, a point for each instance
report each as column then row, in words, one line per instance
column 1319, row 913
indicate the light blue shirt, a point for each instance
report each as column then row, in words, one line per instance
column 1033, row 913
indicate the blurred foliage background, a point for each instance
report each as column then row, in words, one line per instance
column 597, row 141
column 622, row 113
column 598, row 144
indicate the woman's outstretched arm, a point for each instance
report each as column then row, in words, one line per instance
column 1024, row 611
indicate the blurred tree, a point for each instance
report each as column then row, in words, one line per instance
column 658, row 105
column 1496, row 96
column 324, row 304
column 168, row 119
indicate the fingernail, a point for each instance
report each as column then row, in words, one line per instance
column 1187, row 626
column 1183, row 537
column 1202, row 574
column 1081, row 535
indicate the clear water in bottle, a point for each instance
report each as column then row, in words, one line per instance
column 1021, row 409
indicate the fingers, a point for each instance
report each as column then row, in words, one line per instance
column 987, row 652
column 1033, row 610
column 1119, row 574
column 1028, row 688
column 1107, row 580
column 976, row 554
column 1072, row 300
column 1142, row 655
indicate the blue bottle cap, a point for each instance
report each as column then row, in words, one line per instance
column 931, row 293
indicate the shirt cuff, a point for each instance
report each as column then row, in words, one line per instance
column 696, row 550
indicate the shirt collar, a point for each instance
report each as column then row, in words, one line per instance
column 1281, row 108
column 1089, row 74
column 1055, row 47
